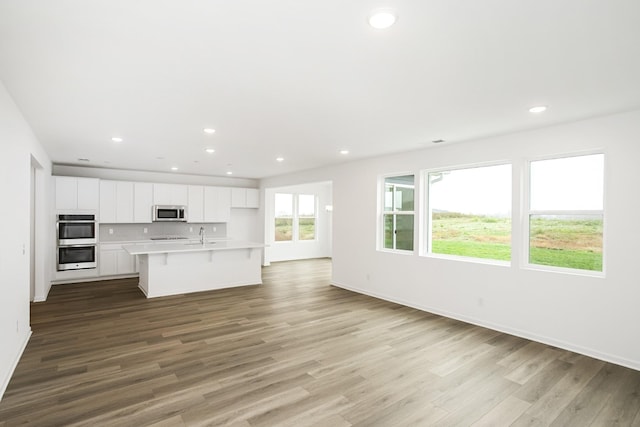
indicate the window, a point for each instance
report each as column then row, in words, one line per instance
column 470, row 212
column 306, row 217
column 302, row 225
column 566, row 212
column 283, row 217
column 397, row 216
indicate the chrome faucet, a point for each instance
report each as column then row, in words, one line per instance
column 202, row 235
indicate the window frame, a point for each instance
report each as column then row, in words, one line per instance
column 295, row 219
column 527, row 212
column 426, row 218
column 383, row 212
column 276, row 217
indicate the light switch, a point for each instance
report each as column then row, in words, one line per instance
column 144, row 230
column 111, row 231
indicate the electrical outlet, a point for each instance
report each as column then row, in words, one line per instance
column 144, row 230
column 111, row 231
column 214, row 229
column 190, row 229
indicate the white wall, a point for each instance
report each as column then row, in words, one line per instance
column 293, row 250
column 594, row 316
column 18, row 146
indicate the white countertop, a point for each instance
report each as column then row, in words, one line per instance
column 189, row 246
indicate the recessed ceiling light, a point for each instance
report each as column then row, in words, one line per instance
column 229, row 173
column 210, row 150
column 382, row 18
column 279, row 159
column 538, row 109
column 174, row 168
column 209, row 130
column 344, row 152
column 116, row 139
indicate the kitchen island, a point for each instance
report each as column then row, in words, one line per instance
column 179, row 268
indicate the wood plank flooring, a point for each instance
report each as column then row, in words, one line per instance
column 294, row 352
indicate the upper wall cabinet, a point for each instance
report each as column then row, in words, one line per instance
column 245, row 198
column 142, row 202
column 116, row 202
column 209, row 204
column 170, row 194
column 125, row 202
column 77, row 193
column 217, row 204
column 195, row 208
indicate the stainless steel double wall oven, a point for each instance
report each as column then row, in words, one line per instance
column 77, row 241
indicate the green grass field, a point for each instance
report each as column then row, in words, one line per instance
column 559, row 242
column 284, row 229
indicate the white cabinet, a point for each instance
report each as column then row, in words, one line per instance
column 217, row 204
column 114, row 260
column 77, row 193
column 108, row 263
column 209, row 204
column 142, row 202
column 170, row 194
column 116, row 202
column 124, row 202
column 245, row 198
column 108, row 202
column 195, row 208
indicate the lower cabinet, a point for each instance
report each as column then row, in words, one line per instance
column 114, row 260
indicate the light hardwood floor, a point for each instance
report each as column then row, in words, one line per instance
column 294, row 352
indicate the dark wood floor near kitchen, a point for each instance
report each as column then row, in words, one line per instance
column 294, row 352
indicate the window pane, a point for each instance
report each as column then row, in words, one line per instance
column 306, row 228
column 388, row 197
column 283, row 217
column 388, row 231
column 471, row 212
column 284, row 205
column 307, row 205
column 571, row 241
column 404, row 232
column 398, row 197
column 572, row 183
column 398, row 193
column 284, row 229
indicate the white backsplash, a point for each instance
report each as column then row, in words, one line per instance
column 132, row 232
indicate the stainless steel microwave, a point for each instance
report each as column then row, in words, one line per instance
column 169, row 213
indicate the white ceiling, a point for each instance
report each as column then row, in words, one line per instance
column 305, row 79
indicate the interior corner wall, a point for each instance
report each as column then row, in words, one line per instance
column 18, row 148
column 596, row 316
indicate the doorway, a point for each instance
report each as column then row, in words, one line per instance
column 37, row 219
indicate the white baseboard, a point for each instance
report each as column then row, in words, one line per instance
column 5, row 381
column 606, row 357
